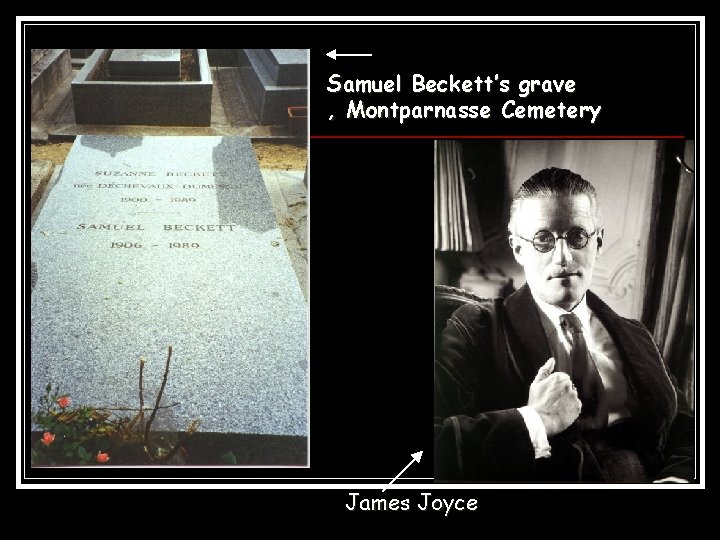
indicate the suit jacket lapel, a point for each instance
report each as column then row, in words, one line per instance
column 529, row 349
column 526, row 339
column 644, row 367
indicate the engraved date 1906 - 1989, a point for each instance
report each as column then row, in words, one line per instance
column 144, row 199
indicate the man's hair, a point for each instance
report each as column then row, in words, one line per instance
column 554, row 182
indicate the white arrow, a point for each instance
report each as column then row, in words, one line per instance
column 334, row 54
column 415, row 457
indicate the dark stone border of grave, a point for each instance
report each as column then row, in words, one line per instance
column 214, row 449
column 209, row 449
column 274, row 81
column 156, row 103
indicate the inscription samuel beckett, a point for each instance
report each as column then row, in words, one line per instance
column 126, row 267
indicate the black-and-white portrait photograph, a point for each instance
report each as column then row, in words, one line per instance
column 565, row 311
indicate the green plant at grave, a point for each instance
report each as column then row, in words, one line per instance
column 84, row 435
column 229, row 458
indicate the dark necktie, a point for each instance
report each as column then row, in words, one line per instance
column 585, row 376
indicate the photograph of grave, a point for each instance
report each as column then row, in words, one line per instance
column 169, row 257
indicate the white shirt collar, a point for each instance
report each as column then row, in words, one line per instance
column 553, row 312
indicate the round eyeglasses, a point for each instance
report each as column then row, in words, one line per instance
column 544, row 241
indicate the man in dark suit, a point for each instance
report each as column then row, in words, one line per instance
column 551, row 384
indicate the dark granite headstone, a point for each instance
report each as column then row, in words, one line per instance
column 287, row 66
column 275, row 79
column 150, row 241
column 145, row 63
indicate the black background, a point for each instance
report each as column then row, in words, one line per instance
column 641, row 75
column 371, row 224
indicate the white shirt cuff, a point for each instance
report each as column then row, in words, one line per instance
column 536, row 429
column 671, row 480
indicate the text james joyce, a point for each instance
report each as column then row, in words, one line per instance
column 426, row 503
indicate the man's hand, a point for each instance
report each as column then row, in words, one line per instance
column 555, row 399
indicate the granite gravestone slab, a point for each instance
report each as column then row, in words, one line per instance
column 274, row 79
column 150, row 241
column 145, row 63
column 288, row 66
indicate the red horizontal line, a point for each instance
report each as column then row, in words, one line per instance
column 654, row 137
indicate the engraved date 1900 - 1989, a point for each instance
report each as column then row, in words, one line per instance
column 144, row 199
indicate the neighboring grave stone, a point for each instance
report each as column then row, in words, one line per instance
column 47, row 74
column 99, row 99
column 37, row 54
column 150, row 241
column 274, row 79
column 40, row 172
column 81, row 53
column 288, row 66
column 145, row 63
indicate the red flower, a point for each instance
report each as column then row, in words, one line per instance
column 47, row 438
column 63, row 401
column 102, row 457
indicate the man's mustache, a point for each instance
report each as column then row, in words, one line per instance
column 564, row 271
